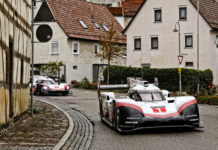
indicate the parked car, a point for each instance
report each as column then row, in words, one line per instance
column 146, row 107
column 49, row 86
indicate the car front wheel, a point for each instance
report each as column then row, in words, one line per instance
column 38, row 92
column 116, row 118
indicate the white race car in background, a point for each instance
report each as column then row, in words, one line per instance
column 49, row 86
column 146, row 106
column 38, row 77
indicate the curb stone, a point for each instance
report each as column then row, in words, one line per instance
column 69, row 130
column 82, row 131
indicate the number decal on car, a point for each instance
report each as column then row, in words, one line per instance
column 159, row 109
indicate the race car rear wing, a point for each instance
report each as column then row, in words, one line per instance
column 131, row 83
column 111, row 87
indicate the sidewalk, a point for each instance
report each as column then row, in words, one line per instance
column 42, row 131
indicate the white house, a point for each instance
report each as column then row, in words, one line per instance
column 77, row 27
column 151, row 41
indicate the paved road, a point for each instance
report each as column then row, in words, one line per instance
column 164, row 139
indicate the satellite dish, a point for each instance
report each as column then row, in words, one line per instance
column 44, row 33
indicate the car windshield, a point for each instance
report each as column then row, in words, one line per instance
column 152, row 96
column 49, row 82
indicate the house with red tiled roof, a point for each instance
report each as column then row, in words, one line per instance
column 153, row 42
column 77, row 27
column 125, row 11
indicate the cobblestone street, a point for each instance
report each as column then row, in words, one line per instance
column 45, row 129
column 81, row 136
column 42, row 131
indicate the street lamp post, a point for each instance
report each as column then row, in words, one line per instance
column 180, row 76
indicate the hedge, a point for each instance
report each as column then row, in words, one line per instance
column 168, row 78
column 210, row 100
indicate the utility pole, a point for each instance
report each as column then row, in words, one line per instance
column 32, row 67
column 198, row 7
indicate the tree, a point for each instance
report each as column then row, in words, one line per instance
column 110, row 47
column 52, row 69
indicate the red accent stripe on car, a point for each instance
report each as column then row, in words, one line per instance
column 185, row 105
column 129, row 105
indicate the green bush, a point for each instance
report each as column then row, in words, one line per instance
column 76, row 85
column 210, row 100
column 93, row 85
column 168, row 78
column 85, row 83
column 73, row 81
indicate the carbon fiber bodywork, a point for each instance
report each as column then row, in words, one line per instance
column 133, row 119
column 55, row 92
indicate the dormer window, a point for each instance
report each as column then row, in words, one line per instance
column 34, row 3
column 83, row 24
column 97, row 26
column 105, row 27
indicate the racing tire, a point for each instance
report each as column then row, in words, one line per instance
column 38, row 92
column 64, row 94
column 100, row 109
column 116, row 118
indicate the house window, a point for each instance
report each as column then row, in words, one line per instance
column 146, row 65
column 34, row 3
column 21, row 71
column 54, row 47
column 75, row 67
column 83, row 24
column 137, row 43
column 157, row 15
column 124, row 51
column 96, row 49
column 182, row 13
column 75, row 47
column 154, row 42
column 188, row 41
column 105, row 27
column 96, row 25
column 189, row 64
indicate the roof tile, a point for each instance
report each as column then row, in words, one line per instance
column 68, row 12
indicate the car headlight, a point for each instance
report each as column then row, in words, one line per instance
column 68, row 87
column 46, row 88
